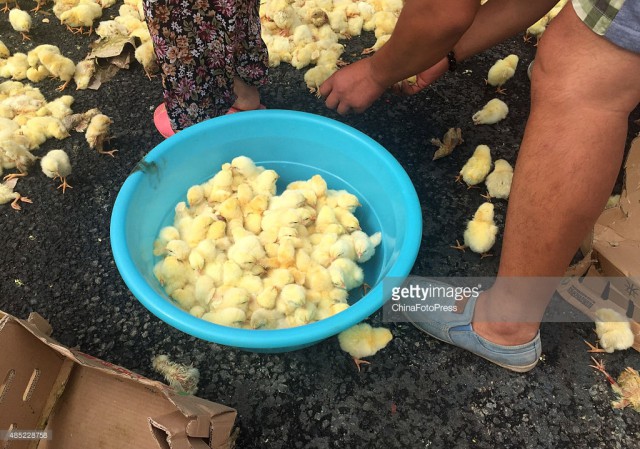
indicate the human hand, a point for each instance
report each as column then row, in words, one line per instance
column 352, row 88
column 423, row 79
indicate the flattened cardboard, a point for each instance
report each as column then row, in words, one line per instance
column 613, row 252
column 90, row 403
column 592, row 292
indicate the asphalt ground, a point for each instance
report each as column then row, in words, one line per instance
column 56, row 260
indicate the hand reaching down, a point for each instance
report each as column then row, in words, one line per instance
column 423, row 79
column 352, row 89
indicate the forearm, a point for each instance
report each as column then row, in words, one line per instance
column 425, row 32
column 498, row 20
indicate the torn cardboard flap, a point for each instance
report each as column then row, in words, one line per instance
column 609, row 275
column 86, row 402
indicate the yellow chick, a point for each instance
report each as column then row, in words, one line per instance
column 537, row 29
column 184, row 296
column 343, row 199
column 302, row 315
column 98, row 132
column 21, row 22
column 111, row 28
column 321, row 252
column 354, row 26
column 246, row 252
column 318, row 279
column 268, row 296
column 59, row 66
column 362, row 340
column 614, row 330
column 343, row 247
column 16, row 67
column 230, row 316
column 232, row 297
column 145, row 55
column 58, row 108
column 4, row 51
column 476, row 169
column 385, row 22
column 292, row 296
column 49, row 126
column 327, row 221
column 172, row 273
column 302, row 35
column 317, row 75
column 263, row 318
column 80, row 16
column 264, row 183
column 316, row 183
column 14, row 152
column 166, row 234
column 85, row 70
column 502, row 71
column 481, row 231
column 7, row 194
column 492, row 112
column 364, row 245
column 347, row 220
column 204, row 290
column 38, row 73
column 178, row 249
column 205, row 251
column 346, row 274
column 498, row 182
column 33, row 56
column 289, row 199
column 55, row 164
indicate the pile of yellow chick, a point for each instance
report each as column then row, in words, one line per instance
column 239, row 255
column 27, row 120
column 47, row 61
column 306, row 32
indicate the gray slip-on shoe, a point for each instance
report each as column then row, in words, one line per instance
column 455, row 328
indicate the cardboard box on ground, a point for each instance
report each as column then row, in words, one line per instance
column 85, row 402
column 609, row 274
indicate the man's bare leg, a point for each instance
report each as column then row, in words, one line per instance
column 583, row 90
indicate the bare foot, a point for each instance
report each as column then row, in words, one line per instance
column 248, row 97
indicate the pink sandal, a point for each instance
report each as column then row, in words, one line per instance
column 161, row 120
column 163, row 125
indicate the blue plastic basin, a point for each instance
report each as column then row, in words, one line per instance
column 297, row 145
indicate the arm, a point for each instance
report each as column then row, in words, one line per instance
column 496, row 21
column 426, row 30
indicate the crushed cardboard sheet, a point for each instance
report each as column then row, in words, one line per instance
column 609, row 274
column 86, row 402
column 111, row 55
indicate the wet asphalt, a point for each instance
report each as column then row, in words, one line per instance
column 55, row 259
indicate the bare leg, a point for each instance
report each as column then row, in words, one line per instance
column 248, row 97
column 583, row 91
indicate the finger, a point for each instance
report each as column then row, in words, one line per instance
column 342, row 109
column 332, row 101
column 325, row 88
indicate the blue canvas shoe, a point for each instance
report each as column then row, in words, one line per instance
column 455, row 328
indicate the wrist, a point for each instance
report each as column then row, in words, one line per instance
column 378, row 71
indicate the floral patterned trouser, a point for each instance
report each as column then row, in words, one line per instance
column 201, row 45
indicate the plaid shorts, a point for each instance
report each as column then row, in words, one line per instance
column 617, row 20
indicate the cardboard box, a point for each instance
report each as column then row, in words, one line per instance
column 609, row 275
column 84, row 402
